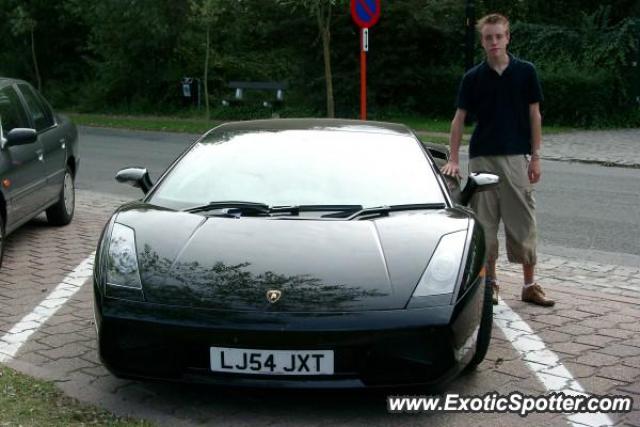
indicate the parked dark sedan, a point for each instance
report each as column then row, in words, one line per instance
column 295, row 253
column 38, row 159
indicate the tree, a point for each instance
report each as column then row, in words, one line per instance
column 206, row 14
column 23, row 23
column 133, row 53
column 321, row 11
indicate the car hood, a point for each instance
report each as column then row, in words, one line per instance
column 314, row 265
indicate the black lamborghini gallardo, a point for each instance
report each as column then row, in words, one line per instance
column 295, row 253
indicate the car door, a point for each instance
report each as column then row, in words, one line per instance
column 22, row 173
column 52, row 138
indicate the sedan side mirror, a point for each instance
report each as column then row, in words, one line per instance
column 478, row 181
column 21, row 136
column 136, row 177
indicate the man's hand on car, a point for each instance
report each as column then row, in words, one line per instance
column 451, row 169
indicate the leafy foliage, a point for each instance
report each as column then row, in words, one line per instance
column 128, row 56
column 589, row 62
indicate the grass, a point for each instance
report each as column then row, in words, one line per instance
column 427, row 124
column 25, row 401
column 436, row 128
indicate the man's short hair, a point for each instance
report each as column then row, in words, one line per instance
column 492, row 18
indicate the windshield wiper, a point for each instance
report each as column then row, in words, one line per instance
column 239, row 207
column 384, row 210
column 242, row 207
column 296, row 209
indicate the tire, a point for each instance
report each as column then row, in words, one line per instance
column 484, row 333
column 2, row 238
column 62, row 212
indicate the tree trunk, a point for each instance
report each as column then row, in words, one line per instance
column 206, row 74
column 35, row 61
column 324, row 25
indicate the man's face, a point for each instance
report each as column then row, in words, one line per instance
column 495, row 39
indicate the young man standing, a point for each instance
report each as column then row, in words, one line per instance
column 504, row 95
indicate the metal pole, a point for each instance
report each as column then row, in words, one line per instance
column 363, row 75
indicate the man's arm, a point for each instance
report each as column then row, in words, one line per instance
column 455, row 137
column 536, row 142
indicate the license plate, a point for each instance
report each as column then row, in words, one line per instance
column 272, row 362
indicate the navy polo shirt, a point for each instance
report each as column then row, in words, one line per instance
column 500, row 104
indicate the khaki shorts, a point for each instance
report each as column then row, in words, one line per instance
column 512, row 202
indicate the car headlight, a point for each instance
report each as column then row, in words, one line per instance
column 122, row 260
column 444, row 266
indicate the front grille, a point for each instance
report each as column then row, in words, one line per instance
column 374, row 357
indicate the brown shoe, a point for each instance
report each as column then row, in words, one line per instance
column 535, row 295
column 496, row 289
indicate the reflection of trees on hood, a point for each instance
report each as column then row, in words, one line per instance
column 223, row 286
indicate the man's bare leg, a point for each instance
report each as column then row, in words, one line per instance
column 491, row 278
column 528, row 271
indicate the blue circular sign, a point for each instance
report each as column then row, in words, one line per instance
column 365, row 13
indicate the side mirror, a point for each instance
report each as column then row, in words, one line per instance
column 478, row 181
column 136, row 177
column 21, row 136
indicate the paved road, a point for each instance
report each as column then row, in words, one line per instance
column 104, row 151
column 584, row 210
column 588, row 211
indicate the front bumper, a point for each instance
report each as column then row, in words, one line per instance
column 426, row 346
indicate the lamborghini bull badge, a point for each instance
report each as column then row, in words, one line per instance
column 273, row 295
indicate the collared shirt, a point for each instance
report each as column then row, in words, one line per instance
column 500, row 104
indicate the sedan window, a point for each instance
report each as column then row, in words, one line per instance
column 12, row 114
column 41, row 114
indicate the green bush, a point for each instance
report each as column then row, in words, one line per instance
column 432, row 92
column 574, row 97
column 585, row 69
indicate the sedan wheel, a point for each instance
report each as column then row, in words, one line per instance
column 62, row 212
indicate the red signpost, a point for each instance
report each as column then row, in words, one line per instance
column 365, row 14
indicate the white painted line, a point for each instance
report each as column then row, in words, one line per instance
column 13, row 340
column 543, row 362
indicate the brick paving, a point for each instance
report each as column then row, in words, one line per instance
column 593, row 329
column 592, row 345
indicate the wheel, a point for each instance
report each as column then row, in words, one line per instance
column 62, row 212
column 484, row 333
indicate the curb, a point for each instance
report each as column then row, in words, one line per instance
column 605, row 163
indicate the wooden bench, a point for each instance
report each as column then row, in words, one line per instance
column 239, row 88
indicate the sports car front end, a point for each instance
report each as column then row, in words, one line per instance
column 290, row 295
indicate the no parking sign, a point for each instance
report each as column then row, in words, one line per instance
column 365, row 14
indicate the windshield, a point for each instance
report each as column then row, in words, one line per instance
column 302, row 167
